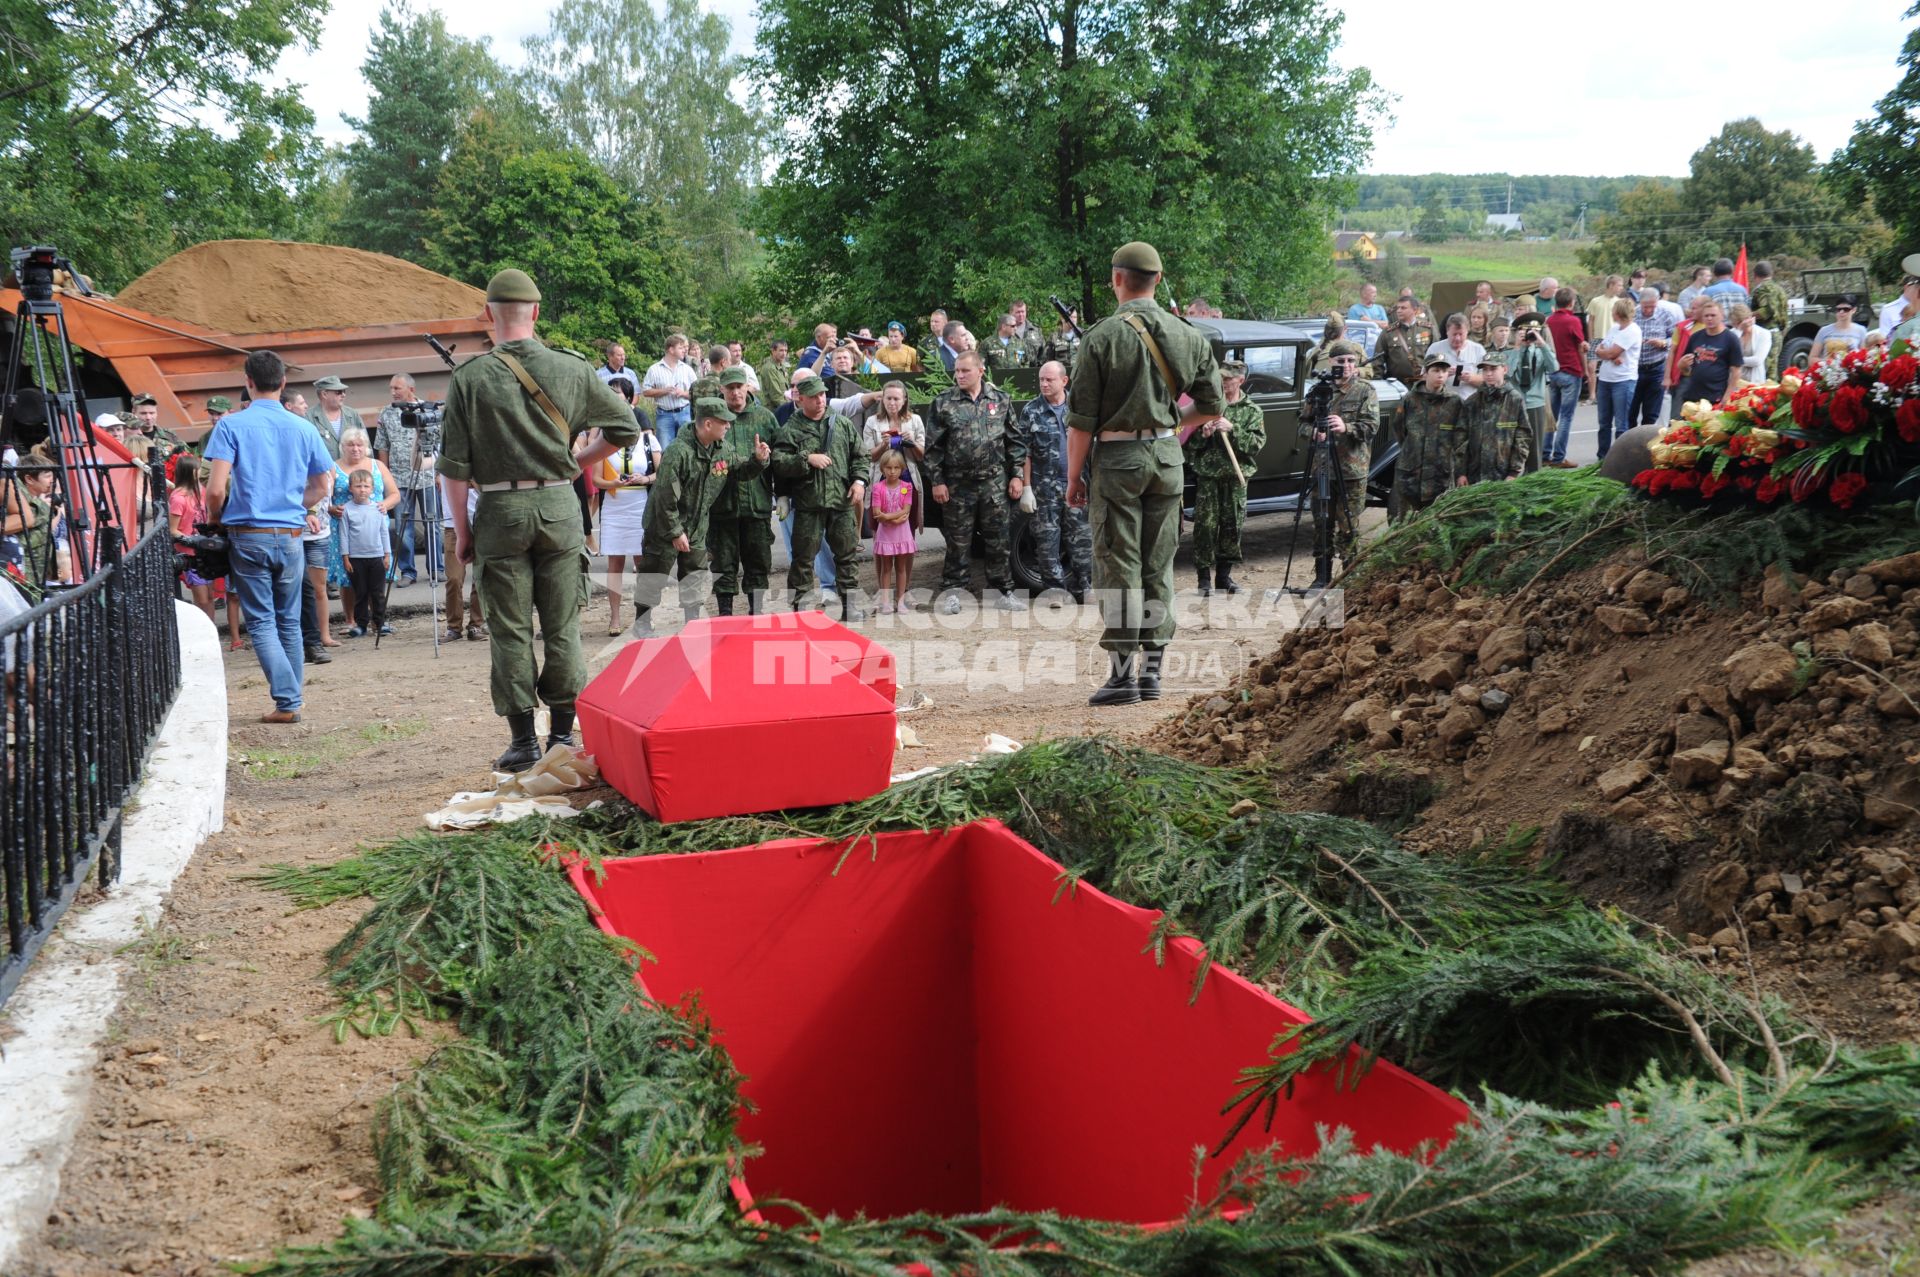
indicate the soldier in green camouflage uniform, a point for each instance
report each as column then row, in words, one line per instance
column 1007, row 349
column 1353, row 415
column 1433, row 446
column 146, row 412
column 694, row 470
column 1402, row 346
column 740, row 529
column 1219, row 494
column 1499, row 436
column 526, row 533
column 1061, row 533
column 1769, row 311
column 821, row 450
column 1125, row 416
column 975, row 457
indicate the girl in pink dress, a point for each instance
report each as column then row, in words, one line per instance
column 892, row 503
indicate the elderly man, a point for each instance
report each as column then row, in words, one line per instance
column 616, row 365
column 1543, row 296
column 1368, row 307
column 1656, row 344
column 1894, row 313
column 332, row 417
column 1061, row 534
column 408, row 440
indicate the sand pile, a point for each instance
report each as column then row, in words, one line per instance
column 264, row 286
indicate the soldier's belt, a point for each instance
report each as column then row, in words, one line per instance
column 1130, row 436
column 509, row 485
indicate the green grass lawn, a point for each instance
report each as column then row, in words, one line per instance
column 1498, row 259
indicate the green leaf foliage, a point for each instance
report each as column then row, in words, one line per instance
column 959, row 154
column 1877, row 163
column 1634, row 1113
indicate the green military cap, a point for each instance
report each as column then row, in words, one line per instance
column 716, row 408
column 1528, row 318
column 512, row 285
column 734, row 375
column 141, row 401
column 1344, row 347
column 1492, row 360
column 1139, row 255
column 329, row 383
column 219, row 403
column 1911, row 264
column 810, row 386
column 1436, row 361
column 1232, row 368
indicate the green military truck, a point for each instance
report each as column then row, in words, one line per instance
column 1275, row 352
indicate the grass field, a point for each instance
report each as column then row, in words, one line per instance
column 1458, row 259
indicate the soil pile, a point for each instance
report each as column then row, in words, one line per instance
column 267, row 286
column 1744, row 774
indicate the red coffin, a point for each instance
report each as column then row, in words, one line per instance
column 743, row 714
column 931, row 1022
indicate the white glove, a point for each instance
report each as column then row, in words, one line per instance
column 1027, row 504
column 782, row 507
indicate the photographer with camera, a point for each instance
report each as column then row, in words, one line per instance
column 1529, row 365
column 269, row 469
column 408, row 441
column 1352, row 417
column 186, row 512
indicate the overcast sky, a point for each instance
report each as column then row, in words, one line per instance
column 1599, row 104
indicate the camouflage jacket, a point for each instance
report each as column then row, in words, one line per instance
column 1359, row 408
column 1401, row 350
column 1044, row 435
column 1207, row 454
column 684, row 490
column 1770, row 305
column 748, row 491
column 1499, row 436
column 973, row 439
column 1002, row 353
column 1433, row 444
column 832, row 434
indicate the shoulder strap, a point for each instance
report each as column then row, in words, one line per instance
column 1139, row 325
column 540, row 396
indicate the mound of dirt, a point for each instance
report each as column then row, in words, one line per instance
column 1739, row 775
column 270, row 286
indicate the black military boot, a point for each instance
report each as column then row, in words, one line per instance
column 756, row 602
column 1206, row 583
column 1223, row 579
column 723, row 604
column 642, row 623
column 560, row 730
column 524, row 752
column 1119, row 689
column 848, row 612
column 1149, row 680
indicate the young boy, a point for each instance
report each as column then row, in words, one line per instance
column 363, row 540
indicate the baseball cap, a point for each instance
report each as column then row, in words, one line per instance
column 1233, row 368
column 1492, row 361
column 219, row 403
column 716, row 408
column 810, row 386
column 1436, row 361
column 330, row 383
column 108, row 421
column 141, row 401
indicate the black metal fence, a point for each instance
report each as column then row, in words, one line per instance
column 90, row 673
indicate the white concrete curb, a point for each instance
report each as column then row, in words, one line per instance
column 62, row 1007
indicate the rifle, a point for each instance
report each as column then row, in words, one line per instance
column 1066, row 315
column 445, row 352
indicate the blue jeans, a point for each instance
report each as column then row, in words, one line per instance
column 824, row 571
column 270, row 573
column 668, row 422
column 421, row 507
column 1649, row 395
column 1616, row 411
column 1565, row 388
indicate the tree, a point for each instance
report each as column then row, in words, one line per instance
column 650, row 97
column 959, row 154
column 602, row 258
column 105, row 144
column 1433, row 216
column 425, row 82
column 1877, row 164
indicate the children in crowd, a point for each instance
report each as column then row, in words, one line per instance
column 363, row 536
column 893, row 543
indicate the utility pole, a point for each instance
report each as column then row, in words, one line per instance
column 1509, row 197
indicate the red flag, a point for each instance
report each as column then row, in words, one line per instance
column 1740, row 268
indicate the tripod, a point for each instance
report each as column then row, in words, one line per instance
column 95, row 531
column 1328, row 493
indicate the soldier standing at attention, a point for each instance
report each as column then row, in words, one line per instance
column 1353, row 415
column 508, row 429
column 1124, row 411
column 1499, row 437
column 1402, row 347
column 821, row 449
column 1219, row 493
column 1060, row 532
column 694, row 470
column 740, row 529
column 975, row 457
column 1432, row 443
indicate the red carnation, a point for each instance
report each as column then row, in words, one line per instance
column 1746, row 482
column 1645, row 478
column 1711, row 485
column 1686, row 480
column 1846, row 487
column 1899, row 372
column 1807, row 402
column 1849, row 408
column 1907, row 421
column 1768, row 490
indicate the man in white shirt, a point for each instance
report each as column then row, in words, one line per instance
column 667, row 383
column 616, row 365
column 1464, row 355
column 1901, row 309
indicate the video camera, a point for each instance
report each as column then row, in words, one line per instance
column 34, row 267
column 413, row 414
column 206, row 550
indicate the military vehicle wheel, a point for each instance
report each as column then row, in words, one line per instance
column 1794, row 354
column 1023, row 552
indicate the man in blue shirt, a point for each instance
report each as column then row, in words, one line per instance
column 269, row 469
column 1367, row 307
column 1724, row 289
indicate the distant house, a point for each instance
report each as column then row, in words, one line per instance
column 1502, row 223
column 1354, row 246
